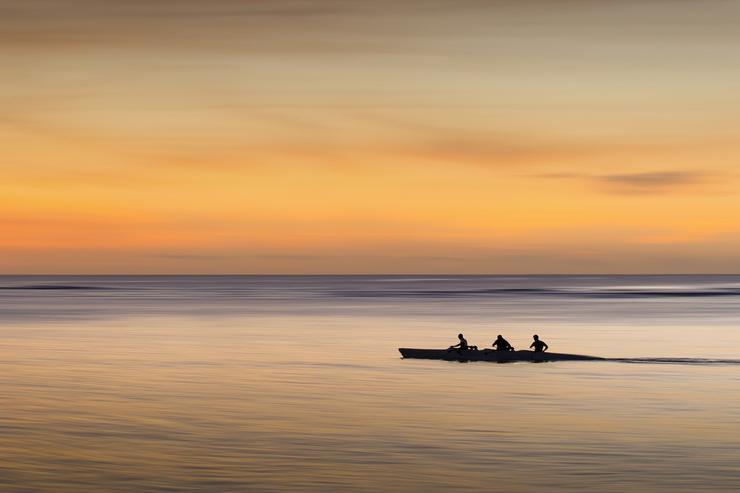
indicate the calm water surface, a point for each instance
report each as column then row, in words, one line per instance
column 232, row 384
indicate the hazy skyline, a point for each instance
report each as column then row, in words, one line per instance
column 559, row 136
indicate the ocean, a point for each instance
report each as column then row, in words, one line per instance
column 295, row 384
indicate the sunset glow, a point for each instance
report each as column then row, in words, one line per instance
column 369, row 137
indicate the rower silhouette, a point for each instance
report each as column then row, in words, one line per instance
column 538, row 345
column 502, row 344
column 462, row 345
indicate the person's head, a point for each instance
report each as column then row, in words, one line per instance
column 459, row 336
column 536, row 337
column 499, row 336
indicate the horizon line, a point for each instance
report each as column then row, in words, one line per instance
column 374, row 275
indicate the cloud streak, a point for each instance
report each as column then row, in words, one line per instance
column 640, row 183
column 651, row 182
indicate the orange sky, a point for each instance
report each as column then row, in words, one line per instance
column 290, row 136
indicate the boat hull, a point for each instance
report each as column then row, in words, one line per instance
column 494, row 356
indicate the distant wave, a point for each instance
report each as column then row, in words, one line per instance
column 43, row 287
column 677, row 361
column 573, row 293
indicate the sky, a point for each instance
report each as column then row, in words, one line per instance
column 340, row 137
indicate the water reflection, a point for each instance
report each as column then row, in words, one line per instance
column 163, row 391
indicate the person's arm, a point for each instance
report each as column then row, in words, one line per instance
column 531, row 345
column 546, row 346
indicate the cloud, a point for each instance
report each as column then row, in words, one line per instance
column 185, row 256
column 290, row 257
column 86, row 9
column 650, row 182
column 219, row 26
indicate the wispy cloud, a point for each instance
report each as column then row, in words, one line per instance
column 289, row 257
column 649, row 182
column 185, row 256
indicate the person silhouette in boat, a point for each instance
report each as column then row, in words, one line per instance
column 502, row 344
column 539, row 345
column 462, row 345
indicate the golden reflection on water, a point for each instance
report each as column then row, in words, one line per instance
column 325, row 404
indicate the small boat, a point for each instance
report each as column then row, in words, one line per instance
column 495, row 356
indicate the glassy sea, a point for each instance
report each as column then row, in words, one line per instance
column 295, row 384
